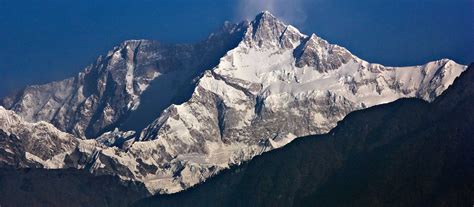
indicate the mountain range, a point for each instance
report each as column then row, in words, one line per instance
column 171, row 116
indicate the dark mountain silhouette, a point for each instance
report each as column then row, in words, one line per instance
column 67, row 187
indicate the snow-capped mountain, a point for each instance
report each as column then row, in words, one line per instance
column 107, row 92
column 271, row 85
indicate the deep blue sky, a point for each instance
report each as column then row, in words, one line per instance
column 45, row 40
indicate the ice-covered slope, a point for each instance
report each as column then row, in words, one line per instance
column 275, row 85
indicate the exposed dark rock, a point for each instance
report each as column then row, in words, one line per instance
column 68, row 187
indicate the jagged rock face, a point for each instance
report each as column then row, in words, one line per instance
column 12, row 151
column 106, row 92
column 266, row 33
column 26, row 144
column 274, row 81
column 320, row 55
column 96, row 98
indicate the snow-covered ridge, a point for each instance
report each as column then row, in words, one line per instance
column 108, row 91
column 273, row 85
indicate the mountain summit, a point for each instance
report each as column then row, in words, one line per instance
column 248, row 89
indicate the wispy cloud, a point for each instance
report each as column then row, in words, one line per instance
column 291, row 11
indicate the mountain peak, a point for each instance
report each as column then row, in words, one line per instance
column 265, row 15
column 265, row 18
column 318, row 53
column 266, row 31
